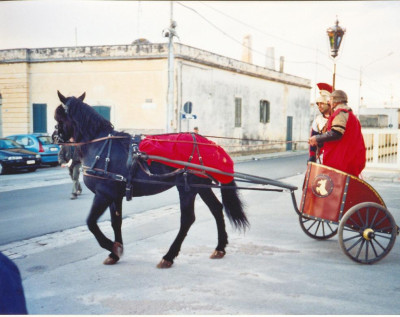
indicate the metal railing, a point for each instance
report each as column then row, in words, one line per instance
column 383, row 148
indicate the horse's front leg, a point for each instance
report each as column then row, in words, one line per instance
column 99, row 205
column 116, row 219
column 116, row 224
column 187, row 219
column 215, row 206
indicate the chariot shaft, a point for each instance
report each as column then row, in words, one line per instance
column 236, row 175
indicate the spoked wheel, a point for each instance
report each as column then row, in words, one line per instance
column 318, row 229
column 367, row 233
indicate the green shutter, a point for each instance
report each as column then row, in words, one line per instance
column 39, row 111
column 104, row 111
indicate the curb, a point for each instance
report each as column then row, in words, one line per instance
column 265, row 156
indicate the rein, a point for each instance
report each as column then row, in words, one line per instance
column 94, row 140
column 189, row 142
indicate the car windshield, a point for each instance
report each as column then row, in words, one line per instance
column 9, row 144
column 45, row 140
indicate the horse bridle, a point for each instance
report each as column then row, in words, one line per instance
column 66, row 105
column 94, row 140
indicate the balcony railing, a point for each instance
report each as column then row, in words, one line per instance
column 383, row 148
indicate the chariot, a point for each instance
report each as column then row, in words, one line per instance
column 332, row 202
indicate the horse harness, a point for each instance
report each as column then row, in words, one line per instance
column 135, row 160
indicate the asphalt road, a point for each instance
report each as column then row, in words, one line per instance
column 34, row 204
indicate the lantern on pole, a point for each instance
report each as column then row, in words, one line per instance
column 335, row 34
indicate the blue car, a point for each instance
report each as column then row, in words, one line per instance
column 40, row 143
column 14, row 156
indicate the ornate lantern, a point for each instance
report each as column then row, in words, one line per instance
column 335, row 34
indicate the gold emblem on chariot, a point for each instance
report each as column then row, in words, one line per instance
column 322, row 186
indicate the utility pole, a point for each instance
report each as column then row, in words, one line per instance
column 170, row 33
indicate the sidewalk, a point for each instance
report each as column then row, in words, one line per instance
column 373, row 174
column 245, row 158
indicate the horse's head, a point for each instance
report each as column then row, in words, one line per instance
column 64, row 129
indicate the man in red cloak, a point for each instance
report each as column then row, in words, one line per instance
column 343, row 143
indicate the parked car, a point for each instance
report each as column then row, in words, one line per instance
column 40, row 143
column 14, row 156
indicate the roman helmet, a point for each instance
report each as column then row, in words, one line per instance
column 325, row 91
column 339, row 96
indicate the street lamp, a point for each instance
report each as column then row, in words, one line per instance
column 335, row 34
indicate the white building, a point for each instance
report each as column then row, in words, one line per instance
column 386, row 118
column 129, row 84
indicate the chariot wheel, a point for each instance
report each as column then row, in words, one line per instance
column 367, row 233
column 318, row 229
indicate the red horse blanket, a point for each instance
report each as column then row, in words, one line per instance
column 180, row 146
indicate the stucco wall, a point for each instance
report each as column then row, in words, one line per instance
column 213, row 91
column 125, row 86
column 14, row 88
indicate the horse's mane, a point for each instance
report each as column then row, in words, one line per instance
column 87, row 123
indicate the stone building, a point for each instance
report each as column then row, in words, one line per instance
column 382, row 118
column 128, row 84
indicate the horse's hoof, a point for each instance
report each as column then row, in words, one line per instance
column 110, row 261
column 118, row 249
column 164, row 264
column 217, row 254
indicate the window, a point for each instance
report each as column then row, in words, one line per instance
column 238, row 112
column 39, row 111
column 45, row 140
column 24, row 140
column 264, row 111
column 104, row 111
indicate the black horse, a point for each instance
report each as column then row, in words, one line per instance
column 80, row 124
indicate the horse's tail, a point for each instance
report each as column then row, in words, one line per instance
column 234, row 206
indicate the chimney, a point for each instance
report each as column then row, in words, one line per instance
column 270, row 58
column 281, row 63
column 246, row 54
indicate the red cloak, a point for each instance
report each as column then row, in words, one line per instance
column 180, row 146
column 347, row 154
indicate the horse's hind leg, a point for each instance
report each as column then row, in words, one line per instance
column 187, row 219
column 99, row 205
column 215, row 206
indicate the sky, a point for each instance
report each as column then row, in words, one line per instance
column 370, row 51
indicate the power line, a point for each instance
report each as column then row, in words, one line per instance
column 218, row 28
column 236, row 40
column 271, row 35
column 258, row 30
column 264, row 33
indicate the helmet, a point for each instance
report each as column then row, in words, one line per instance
column 322, row 98
column 325, row 92
column 339, row 96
